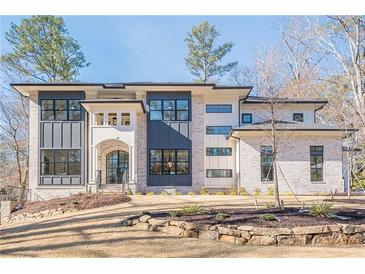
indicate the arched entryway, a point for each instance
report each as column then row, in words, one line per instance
column 117, row 167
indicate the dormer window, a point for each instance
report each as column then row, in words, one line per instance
column 298, row 117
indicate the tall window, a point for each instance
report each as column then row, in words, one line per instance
column 60, row 162
column 246, row 118
column 219, row 173
column 298, row 117
column 169, row 161
column 266, row 163
column 112, row 119
column 218, row 151
column 218, row 130
column 169, row 110
column 215, row 108
column 316, row 163
column 60, row 110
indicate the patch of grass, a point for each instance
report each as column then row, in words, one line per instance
column 203, row 191
column 221, row 216
column 257, row 192
column 192, row 210
column 270, row 191
column 175, row 213
column 268, row 217
column 321, row 210
column 150, row 193
column 191, row 193
column 220, row 193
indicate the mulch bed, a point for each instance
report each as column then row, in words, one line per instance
column 74, row 202
column 289, row 217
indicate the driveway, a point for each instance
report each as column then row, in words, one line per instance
column 97, row 233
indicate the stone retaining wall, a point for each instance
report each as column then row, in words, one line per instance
column 339, row 234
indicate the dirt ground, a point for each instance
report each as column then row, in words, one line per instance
column 97, row 233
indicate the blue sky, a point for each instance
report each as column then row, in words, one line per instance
column 152, row 48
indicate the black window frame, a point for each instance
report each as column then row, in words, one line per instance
column 242, row 119
column 269, row 176
column 54, row 110
column 176, row 162
column 301, row 114
column 218, row 106
column 212, row 133
column 209, row 151
column 317, row 169
column 176, row 109
column 52, row 163
column 207, row 172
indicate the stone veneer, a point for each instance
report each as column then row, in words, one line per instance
column 324, row 235
column 293, row 159
column 197, row 137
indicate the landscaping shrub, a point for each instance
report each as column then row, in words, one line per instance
column 270, row 205
column 178, row 193
column 163, row 193
column 150, row 193
column 270, row 191
column 192, row 210
column 268, row 217
column 232, row 191
column 257, row 192
column 130, row 192
column 175, row 213
column 243, row 192
column 220, row 193
column 139, row 193
column 321, row 209
column 191, row 193
column 221, row 216
column 203, row 191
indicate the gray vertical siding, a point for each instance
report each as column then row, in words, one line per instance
column 63, row 135
column 169, row 135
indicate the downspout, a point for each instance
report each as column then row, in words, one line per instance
column 239, row 162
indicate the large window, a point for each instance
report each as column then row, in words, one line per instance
column 215, row 108
column 316, row 163
column 169, row 162
column 60, row 161
column 60, row 110
column 246, row 118
column 266, row 163
column 219, row 173
column 219, row 151
column 298, row 117
column 169, row 110
column 218, row 130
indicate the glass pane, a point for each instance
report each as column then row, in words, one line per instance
column 182, row 155
column 155, row 105
column 61, row 104
column 125, row 119
column 155, row 155
column 298, row 117
column 75, row 115
column 169, row 168
column 155, row 168
column 60, row 115
column 169, row 115
column 60, row 155
column 216, row 151
column 99, row 119
column 60, row 168
column 168, row 155
column 47, row 104
column 155, row 115
column 47, row 115
column 182, row 115
column 123, row 158
column 182, row 168
column 74, row 105
column 219, row 173
column 74, row 155
column 219, row 130
column 246, row 118
column 169, row 104
column 74, row 168
column 219, row 108
column 47, row 168
column 266, row 173
column 112, row 119
column 182, row 104
column 316, row 174
column 46, row 155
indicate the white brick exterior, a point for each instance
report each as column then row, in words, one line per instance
column 141, row 156
column 293, row 159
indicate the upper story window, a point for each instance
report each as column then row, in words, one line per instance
column 218, row 130
column 298, row 117
column 218, row 151
column 246, row 118
column 112, row 118
column 216, row 108
column 60, row 110
column 169, row 110
column 219, row 173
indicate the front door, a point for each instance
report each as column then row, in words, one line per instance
column 117, row 166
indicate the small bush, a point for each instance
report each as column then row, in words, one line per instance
column 178, row 193
column 163, row 193
column 243, row 192
column 270, row 191
column 139, row 193
column 287, row 194
column 232, row 191
column 203, row 191
column 270, row 205
column 257, row 192
column 175, row 213
column 220, row 193
column 192, row 210
column 130, row 192
column 146, row 213
column 191, row 193
column 321, row 209
column 221, row 216
column 268, row 217
column 150, row 193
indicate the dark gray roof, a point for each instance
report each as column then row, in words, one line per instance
column 263, row 100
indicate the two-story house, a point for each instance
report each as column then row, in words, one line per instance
column 181, row 136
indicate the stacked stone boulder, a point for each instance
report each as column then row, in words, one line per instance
column 324, row 235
